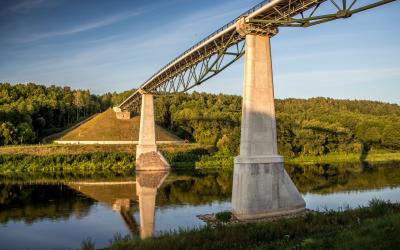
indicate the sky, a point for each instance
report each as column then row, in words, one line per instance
column 108, row 46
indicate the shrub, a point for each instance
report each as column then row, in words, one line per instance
column 223, row 216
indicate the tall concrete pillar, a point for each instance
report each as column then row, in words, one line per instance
column 147, row 156
column 261, row 186
column 147, row 132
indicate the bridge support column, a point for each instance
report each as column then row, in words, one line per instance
column 261, row 186
column 147, row 156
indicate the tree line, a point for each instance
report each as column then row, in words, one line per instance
column 315, row 126
column 28, row 112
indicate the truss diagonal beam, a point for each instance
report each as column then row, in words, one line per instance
column 225, row 46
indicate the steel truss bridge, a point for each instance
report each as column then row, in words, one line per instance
column 223, row 47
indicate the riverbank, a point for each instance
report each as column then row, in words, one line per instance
column 89, row 160
column 374, row 156
column 374, row 227
column 56, row 149
column 120, row 159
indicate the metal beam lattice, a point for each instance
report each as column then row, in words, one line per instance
column 225, row 46
column 312, row 19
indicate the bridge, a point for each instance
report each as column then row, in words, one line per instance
column 261, row 186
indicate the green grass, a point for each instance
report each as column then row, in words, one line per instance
column 88, row 160
column 218, row 161
column 180, row 156
column 83, row 164
column 373, row 156
column 58, row 149
column 223, row 216
column 373, row 227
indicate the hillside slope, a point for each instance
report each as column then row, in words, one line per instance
column 106, row 127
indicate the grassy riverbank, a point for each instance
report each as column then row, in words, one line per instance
column 120, row 159
column 374, row 227
column 372, row 156
column 226, row 162
column 89, row 160
column 58, row 149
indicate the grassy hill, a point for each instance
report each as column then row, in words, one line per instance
column 106, row 127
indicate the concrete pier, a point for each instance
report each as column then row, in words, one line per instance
column 147, row 133
column 147, row 156
column 261, row 186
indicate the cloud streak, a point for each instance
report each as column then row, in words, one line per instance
column 109, row 20
column 25, row 6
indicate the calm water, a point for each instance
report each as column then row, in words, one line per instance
column 48, row 215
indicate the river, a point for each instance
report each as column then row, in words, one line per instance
column 48, row 213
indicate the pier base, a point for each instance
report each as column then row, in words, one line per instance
column 263, row 190
column 261, row 186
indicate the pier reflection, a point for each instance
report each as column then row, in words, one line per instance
column 120, row 197
column 147, row 185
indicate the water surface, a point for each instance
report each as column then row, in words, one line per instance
column 48, row 214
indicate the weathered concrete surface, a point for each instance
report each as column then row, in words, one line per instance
column 123, row 115
column 147, row 156
column 261, row 186
column 147, row 134
column 258, row 132
column 264, row 190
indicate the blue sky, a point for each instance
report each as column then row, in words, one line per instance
column 106, row 46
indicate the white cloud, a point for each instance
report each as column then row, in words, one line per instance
column 26, row 5
column 143, row 52
column 84, row 27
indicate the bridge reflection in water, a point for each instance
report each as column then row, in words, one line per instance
column 147, row 184
column 121, row 195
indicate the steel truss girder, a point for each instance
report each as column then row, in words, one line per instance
column 200, row 72
column 343, row 10
column 225, row 46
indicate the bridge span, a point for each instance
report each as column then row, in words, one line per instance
column 261, row 186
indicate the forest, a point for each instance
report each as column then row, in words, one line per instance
column 315, row 126
column 28, row 112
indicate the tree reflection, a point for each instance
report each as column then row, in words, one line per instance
column 337, row 177
column 30, row 203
